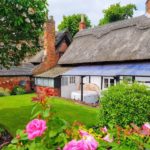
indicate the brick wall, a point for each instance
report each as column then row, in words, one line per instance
column 11, row 82
column 54, row 91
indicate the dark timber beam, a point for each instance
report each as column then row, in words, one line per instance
column 82, row 88
column 102, row 83
column 117, row 78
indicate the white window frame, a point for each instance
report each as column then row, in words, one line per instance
column 72, row 80
column 109, row 84
column 47, row 82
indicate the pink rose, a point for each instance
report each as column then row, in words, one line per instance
column 108, row 139
column 35, row 128
column 86, row 143
column 146, row 129
column 71, row 145
column 91, row 142
column 104, row 130
column 83, row 144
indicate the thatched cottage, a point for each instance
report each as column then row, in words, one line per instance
column 102, row 56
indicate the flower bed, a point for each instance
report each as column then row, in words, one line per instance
column 46, row 132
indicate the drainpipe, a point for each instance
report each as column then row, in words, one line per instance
column 101, row 82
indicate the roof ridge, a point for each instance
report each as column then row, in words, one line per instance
column 141, row 22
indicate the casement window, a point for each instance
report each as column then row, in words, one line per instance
column 127, row 79
column 44, row 82
column 64, row 81
column 72, row 80
column 112, row 82
column 108, row 81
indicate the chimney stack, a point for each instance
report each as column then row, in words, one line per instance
column 49, row 37
column 50, row 57
column 82, row 24
column 148, row 8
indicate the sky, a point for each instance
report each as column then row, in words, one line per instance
column 92, row 8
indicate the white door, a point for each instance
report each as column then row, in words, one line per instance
column 108, row 81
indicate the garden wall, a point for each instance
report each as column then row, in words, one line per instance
column 11, row 82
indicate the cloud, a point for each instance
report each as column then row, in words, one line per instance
column 92, row 8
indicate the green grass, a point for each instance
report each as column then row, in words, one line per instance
column 15, row 111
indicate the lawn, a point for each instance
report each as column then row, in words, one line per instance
column 15, row 111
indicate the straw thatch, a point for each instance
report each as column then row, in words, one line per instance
column 127, row 40
column 54, row 72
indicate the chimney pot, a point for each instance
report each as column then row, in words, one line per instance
column 148, row 7
column 82, row 24
column 82, row 18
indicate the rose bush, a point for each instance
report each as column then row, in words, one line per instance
column 46, row 132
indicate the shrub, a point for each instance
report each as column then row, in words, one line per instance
column 4, row 92
column 124, row 104
column 18, row 90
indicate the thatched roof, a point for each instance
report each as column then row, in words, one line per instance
column 60, row 36
column 127, row 40
column 54, row 72
column 22, row 70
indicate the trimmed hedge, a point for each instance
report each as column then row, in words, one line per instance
column 124, row 104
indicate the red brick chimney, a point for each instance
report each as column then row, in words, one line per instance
column 148, row 7
column 50, row 57
column 82, row 24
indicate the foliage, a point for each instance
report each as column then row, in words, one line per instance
column 4, row 92
column 59, row 135
column 72, row 23
column 18, row 90
column 124, row 104
column 21, row 25
column 116, row 12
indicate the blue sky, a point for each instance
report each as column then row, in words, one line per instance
column 93, row 8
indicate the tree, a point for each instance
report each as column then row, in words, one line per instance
column 72, row 23
column 21, row 25
column 116, row 12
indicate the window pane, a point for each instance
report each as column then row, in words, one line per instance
column 72, row 80
column 112, row 82
column 105, row 83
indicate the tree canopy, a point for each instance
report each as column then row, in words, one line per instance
column 117, row 12
column 72, row 23
column 21, row 24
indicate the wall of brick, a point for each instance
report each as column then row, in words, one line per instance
column 54, row 91
column 11, row 82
